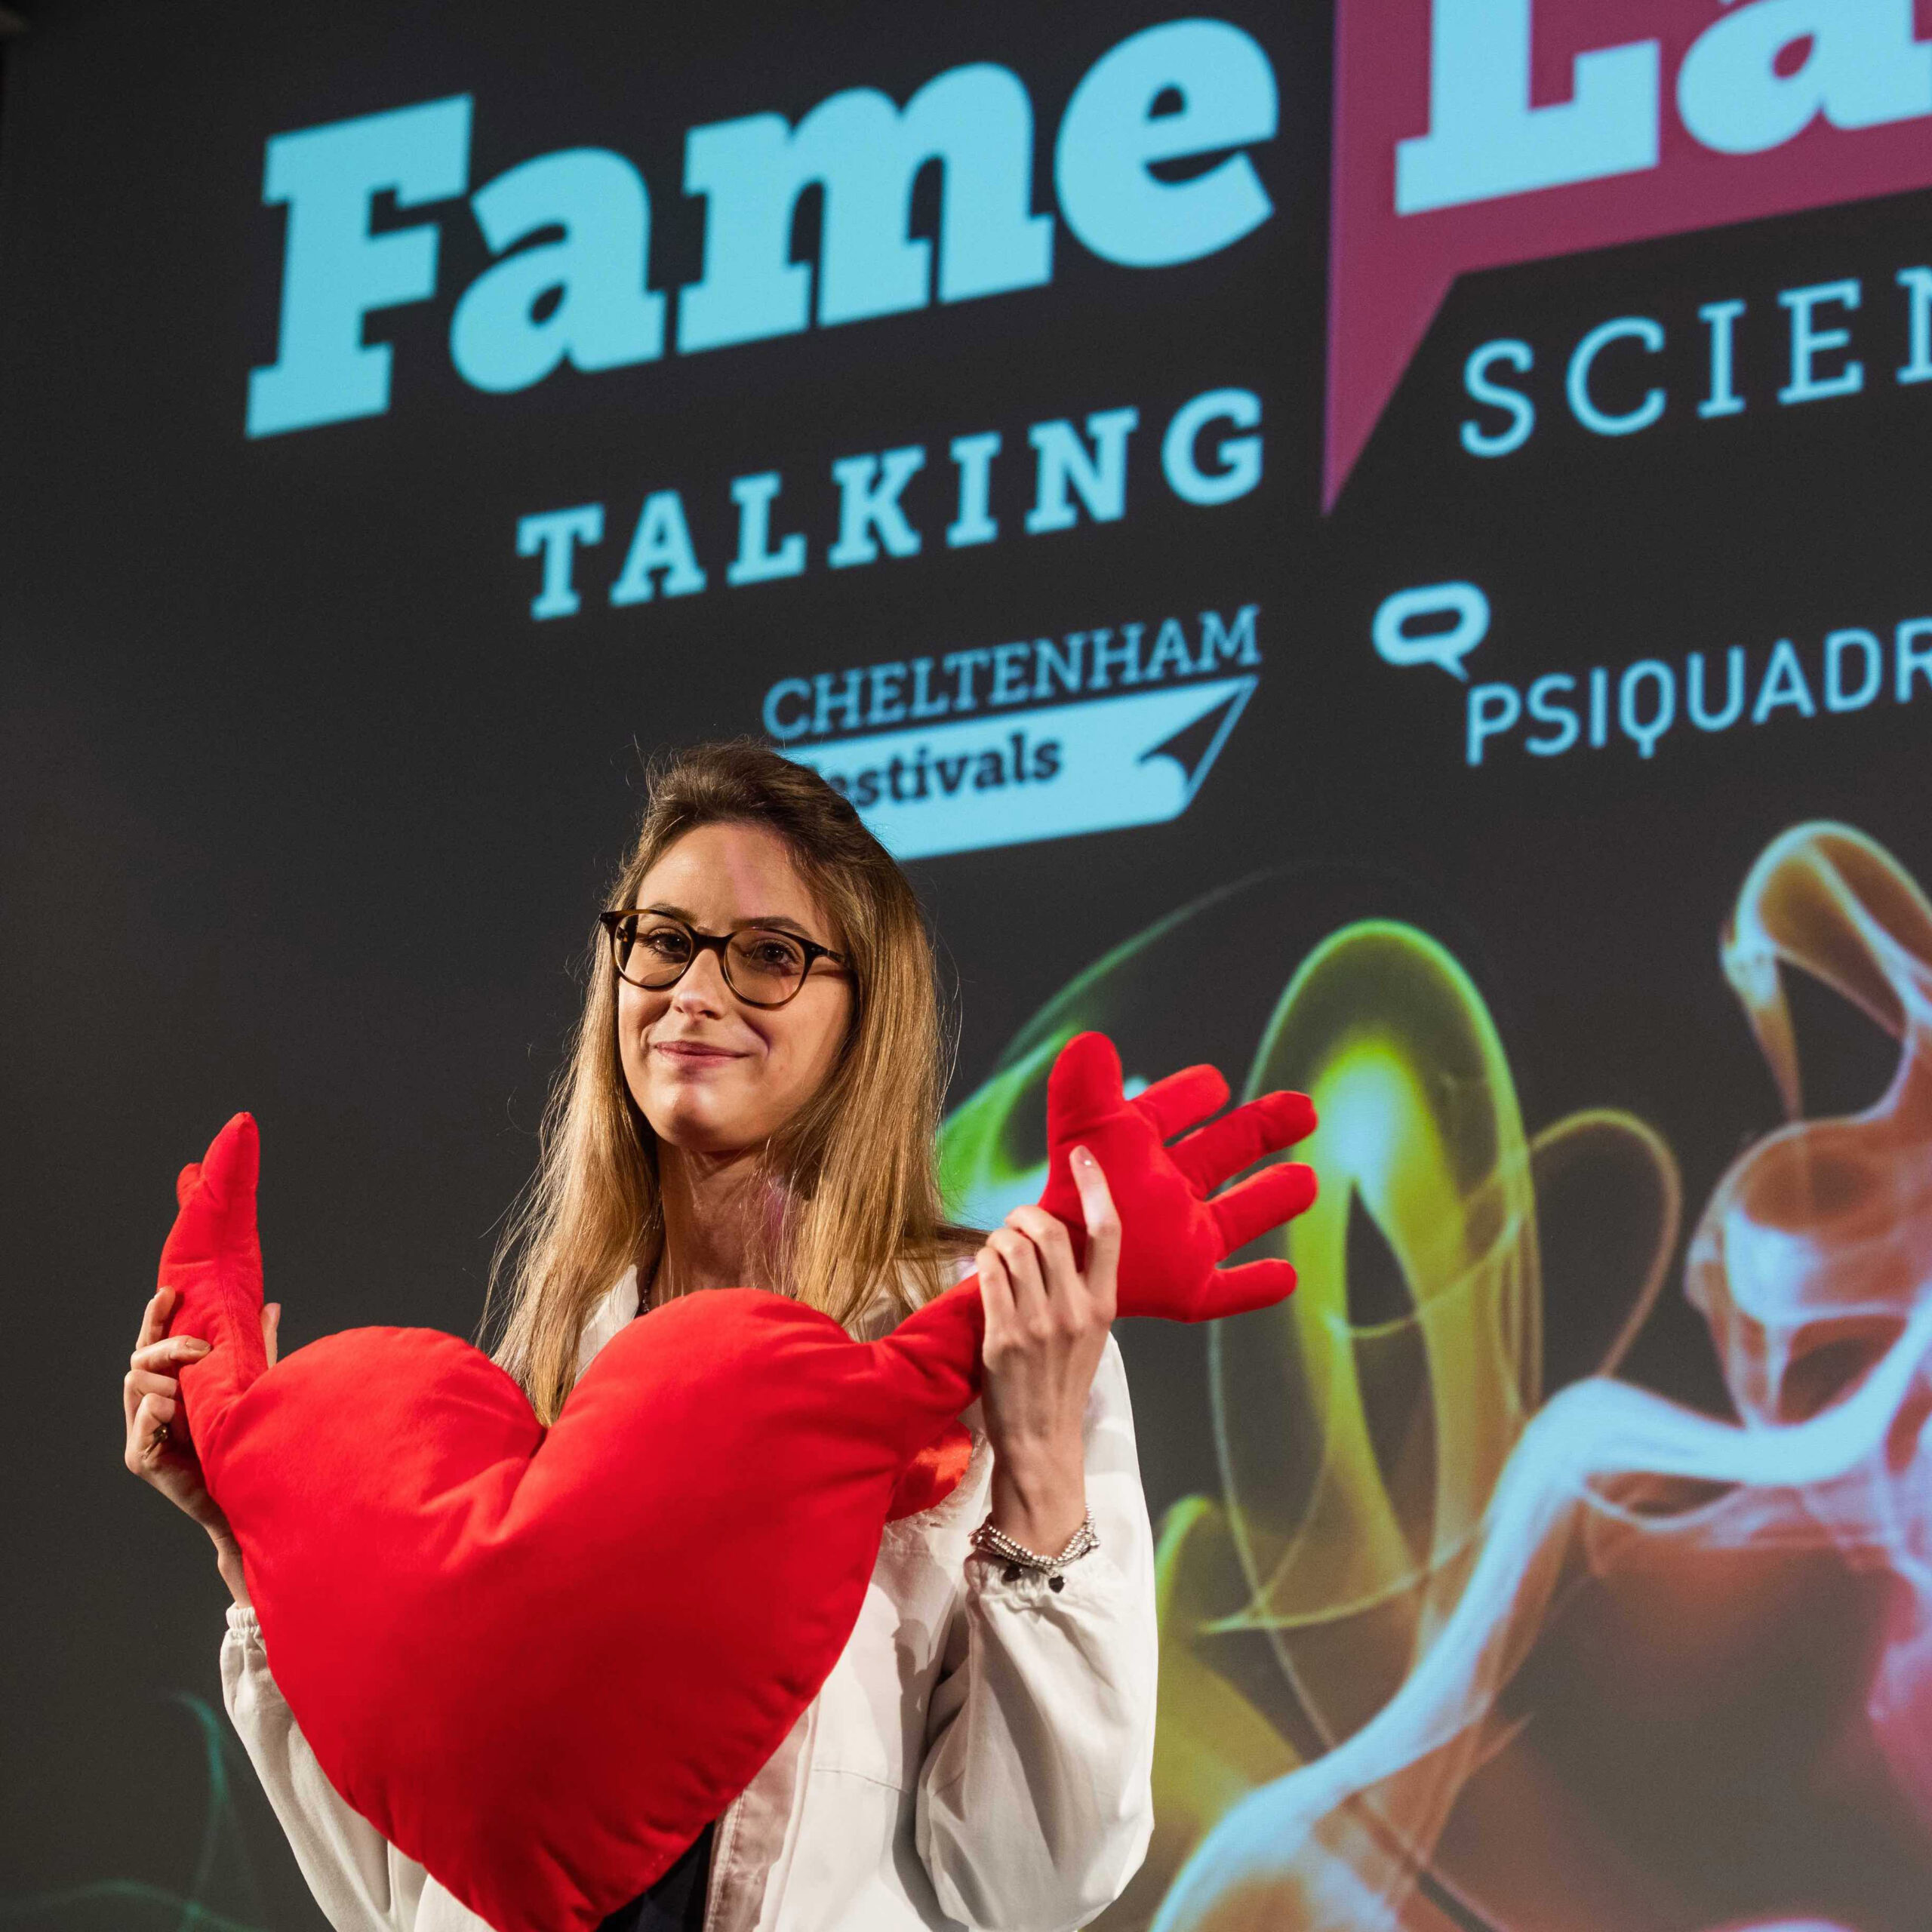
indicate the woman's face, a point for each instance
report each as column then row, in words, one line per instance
column 710, row 1074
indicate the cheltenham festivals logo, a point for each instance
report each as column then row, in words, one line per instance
column 1475, row 134
column 1041, row 738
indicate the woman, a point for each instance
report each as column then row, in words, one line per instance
column 753, row 1098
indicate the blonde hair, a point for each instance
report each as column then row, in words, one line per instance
column 854, row 1168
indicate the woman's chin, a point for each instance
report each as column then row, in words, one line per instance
column 697, row 1125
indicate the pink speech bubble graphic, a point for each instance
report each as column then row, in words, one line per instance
column 1475, row 134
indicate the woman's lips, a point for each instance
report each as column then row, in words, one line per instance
column 692, row 1051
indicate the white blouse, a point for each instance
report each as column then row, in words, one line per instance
column 980, row 1755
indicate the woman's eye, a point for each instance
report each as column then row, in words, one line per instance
column 664, row 945
column 775, row 953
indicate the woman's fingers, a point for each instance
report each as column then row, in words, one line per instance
column 995, row 1290
column 147, row 1434
column 1053, row 1245
column 1102, row 1222
column 144, row 1382
column 154, row 1317
column 150, row 1392
column 271, row 1329
column 157, row 1362
column 1078, row 1297
column 175, row 1351
column 1031, row 1309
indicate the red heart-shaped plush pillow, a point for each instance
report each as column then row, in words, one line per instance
column 541, row 1661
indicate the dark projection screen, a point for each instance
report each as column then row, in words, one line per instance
column 1381, row 545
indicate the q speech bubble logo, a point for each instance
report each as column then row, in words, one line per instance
column 1474, row 133
column 1398, row 642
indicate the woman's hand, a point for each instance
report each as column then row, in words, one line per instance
column 1046, row 1324
column 159, row 1453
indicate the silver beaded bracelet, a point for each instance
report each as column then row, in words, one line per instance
column 1002, row 1548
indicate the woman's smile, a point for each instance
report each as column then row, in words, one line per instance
column 685, row 1052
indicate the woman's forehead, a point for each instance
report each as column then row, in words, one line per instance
column 730, row 871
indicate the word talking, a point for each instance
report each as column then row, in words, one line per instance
column 1077, row 472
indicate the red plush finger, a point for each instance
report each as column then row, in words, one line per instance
column 1241, row 1290
column 1083, row 1086
column 226, row 1176
column 1183, row 1098
column 1276, row 1195
column 213, row 1261
column 185, row 1183
column 1237, row 1140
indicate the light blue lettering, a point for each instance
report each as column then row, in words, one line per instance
column 1626, row 328
column 756, row 561
column 1733, row 701
column 556, row 533
column 866, row 153
column 1522, row 413
column 1837, row 697
column 1646, row 732
column 605, row 317
column 1232, row 644
column 662, row 541
column 1864, row 65
column 1721, row 318
column 1914, row 659
column 1099, row 477
column 1492, row 710
column 868, row 500
column 1486, row 141
column 1238, row 458
column 974, row 456
column 335, row 271
column 1784, row 684
column 1545, row 708
column 800, row 722
column 1808, row 342
column 1111, row 137
column 1917, row 283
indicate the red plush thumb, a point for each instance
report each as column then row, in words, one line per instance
column 1083, row 1088
column 213, row 1261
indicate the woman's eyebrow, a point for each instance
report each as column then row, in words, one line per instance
column 779, row 920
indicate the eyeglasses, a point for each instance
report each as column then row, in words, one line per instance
column 762, row 965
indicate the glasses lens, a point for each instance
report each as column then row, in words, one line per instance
column 652, row 951
column 765, row 967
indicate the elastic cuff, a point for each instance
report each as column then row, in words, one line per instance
column 243, row 1622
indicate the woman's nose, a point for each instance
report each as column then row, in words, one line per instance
column 703, row 988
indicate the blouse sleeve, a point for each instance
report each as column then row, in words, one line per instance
column 361, row 1882
column 1034, row 1803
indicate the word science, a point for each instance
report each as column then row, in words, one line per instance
column 587, row 299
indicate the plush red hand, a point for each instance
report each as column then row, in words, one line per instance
column 1175, row 1228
